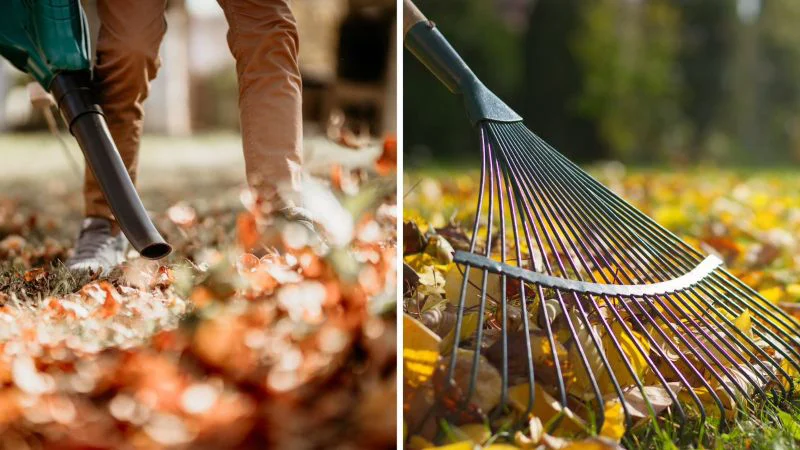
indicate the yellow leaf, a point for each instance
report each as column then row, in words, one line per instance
column 545, row 407
column 791, row 370
column 582, row 386
column 793, row 290
column 409, row 216
column 420, row 262
column 469, row 324
column 454, row 279
column 420, row 351
column 419, row 443
column 634, row 356
column 542, row 352
column 440, row 250
column 614, row 423
column 672, row 216
column 744, row 322
column 773, row 294
column 501, row 447
column 708, row 401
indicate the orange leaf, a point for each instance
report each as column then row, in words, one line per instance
column 387, row 162
column 34, row 275
column 247, row 234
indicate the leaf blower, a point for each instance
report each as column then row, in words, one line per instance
column 49, row 39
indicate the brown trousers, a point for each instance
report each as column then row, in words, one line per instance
column 262, row 37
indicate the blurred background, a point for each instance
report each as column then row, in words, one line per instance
column 347, row 62
column 645, row 82
column 191, row 149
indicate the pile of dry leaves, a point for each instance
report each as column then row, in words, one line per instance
column 232, row 345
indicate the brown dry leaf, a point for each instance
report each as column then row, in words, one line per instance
column 545, row 407
column 487, row 384
column 657, row 396
column 34, row 275
column 105, row 294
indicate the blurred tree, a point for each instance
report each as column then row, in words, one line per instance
column 777, row 111
column 554, row 77
column 763, row 108
column 642, row 81
column 628, row 52
column 434, row 121
column 708, row 30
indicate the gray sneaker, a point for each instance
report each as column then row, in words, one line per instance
column 97, row 249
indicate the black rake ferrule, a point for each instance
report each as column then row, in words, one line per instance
column 431, row 48
column 686, row 281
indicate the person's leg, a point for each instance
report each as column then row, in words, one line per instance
column 262, row 35
column 127, row 60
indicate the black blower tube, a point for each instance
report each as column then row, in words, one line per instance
column 74, row 96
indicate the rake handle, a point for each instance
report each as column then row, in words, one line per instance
column 424, row 40
column 411, row 16
column 430, row 47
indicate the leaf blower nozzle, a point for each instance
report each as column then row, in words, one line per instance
column 73, row 93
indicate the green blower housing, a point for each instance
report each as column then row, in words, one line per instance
column 49, row 40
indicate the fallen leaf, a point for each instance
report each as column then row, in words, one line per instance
column 614, row 423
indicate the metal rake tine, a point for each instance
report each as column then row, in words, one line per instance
column 582, row 354
column 595, row 186
column 658, row 230
column 629, row 312
column 503, row 289
column 523, row 296
column 606, row 263
column 545, row 218
column 473, row 378
column 463, row 294
column 579, row 345
column 525, row 212
column 749, row 343
column 780, row 348
column 745, row 348
column 588, row 270
column 682, row 356
column 652, row 342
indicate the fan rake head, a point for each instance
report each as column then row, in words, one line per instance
column 576, row 300
column 579, row 294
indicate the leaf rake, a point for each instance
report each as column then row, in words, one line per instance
column 593, row 301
